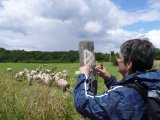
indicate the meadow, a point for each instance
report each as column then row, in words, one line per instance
column 20, row 101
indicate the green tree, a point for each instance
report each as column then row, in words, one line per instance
column 157, row 54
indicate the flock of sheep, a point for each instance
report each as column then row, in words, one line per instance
column 46, row 77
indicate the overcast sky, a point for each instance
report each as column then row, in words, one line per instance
column 59, row 25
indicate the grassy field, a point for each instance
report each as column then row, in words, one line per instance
column 19, row 101
column 156, row 64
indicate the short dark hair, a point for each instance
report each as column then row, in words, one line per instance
column 140, row 52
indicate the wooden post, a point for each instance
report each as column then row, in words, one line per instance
column 87, row 57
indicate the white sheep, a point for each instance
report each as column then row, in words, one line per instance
column 48, row 71
column 63, row 84
column 37, row 77
column 57, row 76
column 9, row 69
column 33, row 72
column 19, row 76
column 29, row 78
column 65, row 74
column 53, row 74
column 46, row 79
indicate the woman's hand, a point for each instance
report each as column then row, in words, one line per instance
column 103, row 72
column 85, row 70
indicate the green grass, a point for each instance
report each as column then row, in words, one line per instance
column 19, row 101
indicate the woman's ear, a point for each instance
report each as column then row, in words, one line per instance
column 129, row 65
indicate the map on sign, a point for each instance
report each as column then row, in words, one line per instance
column 88, row 57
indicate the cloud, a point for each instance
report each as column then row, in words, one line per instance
column 93, row 27
column 53, row 25
column 154, row 37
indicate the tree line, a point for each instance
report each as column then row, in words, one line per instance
column 55, row 56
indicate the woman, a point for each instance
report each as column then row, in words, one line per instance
column 119, row 102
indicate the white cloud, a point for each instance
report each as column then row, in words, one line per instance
column 154, row 37
column 93, row 27
column 52, row 25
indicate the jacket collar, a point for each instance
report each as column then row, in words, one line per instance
column 150, row 76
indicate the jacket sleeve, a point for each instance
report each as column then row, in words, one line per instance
column 115, row 103
column 110, row 82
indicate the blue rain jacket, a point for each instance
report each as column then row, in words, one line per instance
column 118, row 102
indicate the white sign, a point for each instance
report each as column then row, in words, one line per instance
column 88, row 57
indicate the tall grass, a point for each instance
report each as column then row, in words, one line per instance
column 156, row 64
column 19, row 101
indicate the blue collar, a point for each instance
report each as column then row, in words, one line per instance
column 152, row 75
